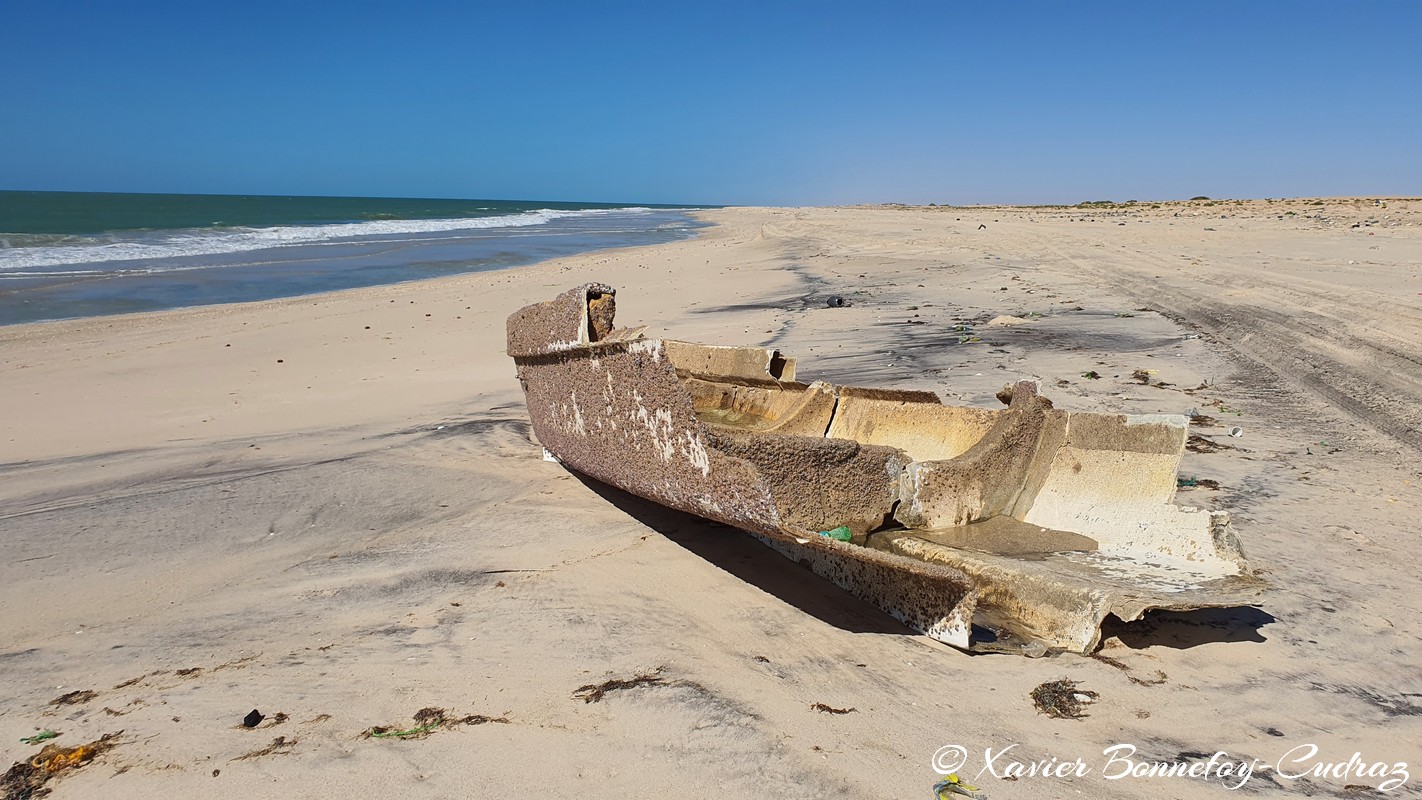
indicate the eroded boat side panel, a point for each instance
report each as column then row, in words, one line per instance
column 618, row 414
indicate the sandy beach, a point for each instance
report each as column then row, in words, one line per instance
column 332, row 509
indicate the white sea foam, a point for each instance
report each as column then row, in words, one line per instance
column 196, row 242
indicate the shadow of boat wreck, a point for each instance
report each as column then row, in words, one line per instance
column 1183, row 630
column 743, row 556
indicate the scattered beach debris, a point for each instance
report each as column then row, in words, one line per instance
column 111, row 712
column 1237, row 432
column 1160, row 676
column 39, row 737
column 952, row 785
column 427, row 721
column 1193, row 482
column 236, row 663
column 1204, row 444
column 253, row 719
column 1201, row 420
column 594, row 692
column 1061, row 699
column 74, row 698
column 27, row 779
column 280, row 746
column 840, row 534
column 835, row 301
column 965, row 334
column 1092, row 375
column 825, row 709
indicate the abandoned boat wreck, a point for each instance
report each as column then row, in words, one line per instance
column 1018, row 529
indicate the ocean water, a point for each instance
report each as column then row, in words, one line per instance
column 76, row 254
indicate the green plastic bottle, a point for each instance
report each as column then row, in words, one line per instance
column 840, row 534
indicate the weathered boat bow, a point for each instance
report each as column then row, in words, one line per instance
column 1017, row 529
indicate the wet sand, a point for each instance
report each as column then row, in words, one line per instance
column 332, row 508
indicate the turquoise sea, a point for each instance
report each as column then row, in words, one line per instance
column 80, row 254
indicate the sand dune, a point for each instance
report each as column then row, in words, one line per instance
column 331, row 508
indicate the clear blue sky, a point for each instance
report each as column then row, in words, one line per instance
column 715, row 102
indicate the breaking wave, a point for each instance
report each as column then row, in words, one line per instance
column 150, row 245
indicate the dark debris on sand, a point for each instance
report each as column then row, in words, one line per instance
column 280, row 746
column 1160, row 676
column 74, row 698
column 1062, row 699
column 594, row 692
column 427, row 721
column 1203, row 444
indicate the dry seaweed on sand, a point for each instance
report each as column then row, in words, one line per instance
column 280, row 746
column 1203, row 444
column 27, row 779
column 1062, row 699
column 74, row 698
column 427, row 721
column 1160, row 676
column 594, row 692
column 824, row 709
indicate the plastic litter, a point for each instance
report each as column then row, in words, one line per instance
column 954, row 785
column 1236, row 432
column 840, row 534
column 39, row 737
column 379, row 733
column 835, row 301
